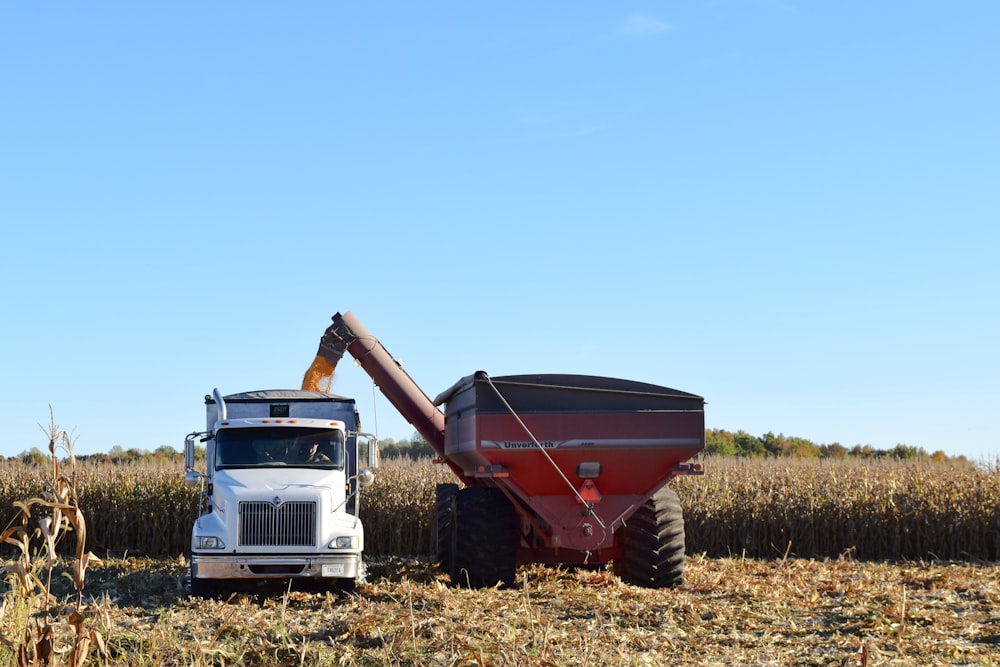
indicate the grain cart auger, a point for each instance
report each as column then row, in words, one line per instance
column 554, row 468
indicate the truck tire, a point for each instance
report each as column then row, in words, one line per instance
column 653, row 543
column 486, row 537
column 345, row 586
column 444, row 524
column 204, row 588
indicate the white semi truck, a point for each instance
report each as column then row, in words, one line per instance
column 281, row 490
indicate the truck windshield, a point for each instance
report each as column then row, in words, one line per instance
column 274, row 447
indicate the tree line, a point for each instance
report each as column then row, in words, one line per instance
column 116, row 455
column 718, row 442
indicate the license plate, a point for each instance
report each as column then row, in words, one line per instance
column 333, row 570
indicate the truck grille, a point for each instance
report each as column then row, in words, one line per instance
column 264, row 524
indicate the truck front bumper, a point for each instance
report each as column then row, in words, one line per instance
column 231, row 566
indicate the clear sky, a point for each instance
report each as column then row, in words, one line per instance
column 789, row 208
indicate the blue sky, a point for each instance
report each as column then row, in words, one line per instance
column 789, row 208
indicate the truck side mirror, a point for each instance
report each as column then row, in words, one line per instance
column 365, row 479
column 373, row 451
column 192, row 479
column 189, row 451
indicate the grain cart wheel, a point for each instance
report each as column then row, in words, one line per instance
column 444, row 523
column 484, row 550
column 653, row 543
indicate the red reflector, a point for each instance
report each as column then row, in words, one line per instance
column 589, row 493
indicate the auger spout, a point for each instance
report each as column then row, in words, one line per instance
column 348, row 334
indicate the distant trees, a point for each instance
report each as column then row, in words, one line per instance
column 34, row 456
column 162, row 454
column 719, row 442
column 414, row 448
column 116, row 455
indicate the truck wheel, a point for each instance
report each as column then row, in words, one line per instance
column 444, row 520
column 484, row 551
column 345, row 586
column 653, row 543
column 204, row 588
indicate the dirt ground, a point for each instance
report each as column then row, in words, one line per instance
column 729, row 611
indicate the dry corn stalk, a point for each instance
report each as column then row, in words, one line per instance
column 56, row 512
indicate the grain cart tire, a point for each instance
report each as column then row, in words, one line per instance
column 484, row 550
column 444, row 524
column 653, row 543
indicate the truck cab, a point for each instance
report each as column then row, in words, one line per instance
column 284, row 470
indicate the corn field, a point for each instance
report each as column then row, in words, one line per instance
column 754, row 508
column 868, row 508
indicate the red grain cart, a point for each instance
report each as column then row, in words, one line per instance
column 553, row 468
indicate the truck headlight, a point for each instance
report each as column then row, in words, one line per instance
column 209, row 542
column 345, row 542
